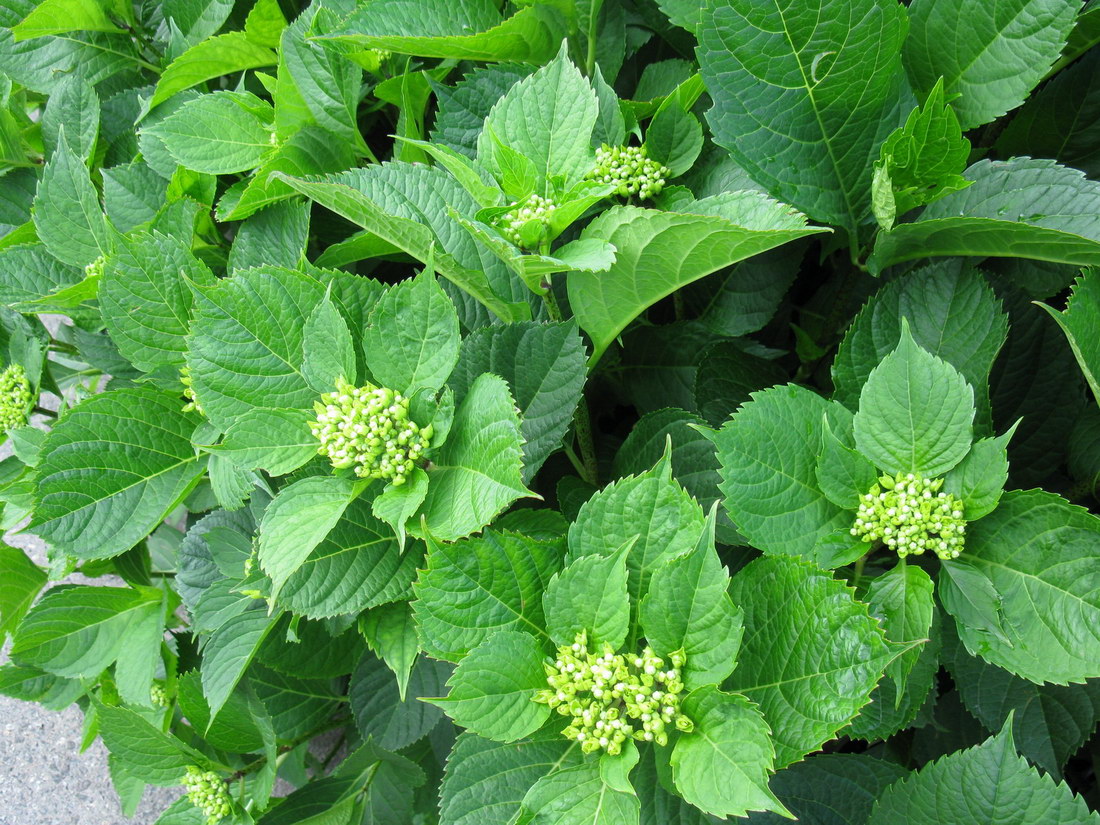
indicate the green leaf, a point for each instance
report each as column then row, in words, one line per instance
column 228, row 653
column 73, row 111
column 768, row 452
column 548, row 118
column 843, row 474
column 476, row 587
column 901, row 599
column 298, row 519
column 687, row 608
column 218, row 133
column 577, row 796
column 798, row 668
column 723, row 765
column 67, row 214
column 413, row 337
column 29, row 273
column 1006, row 52
column 197, row 19
column 477, row 473
column 803, row 100
column 329, row 349
column 1021, row 208
column 158, row 758
column 544, row 365
column 62, row 17
column 952, row 313
column 132, row 195
column 111, row 469
column 78, row 631
column 246, row 343
column 916, row 412
column 358, row 565
column 493, row 688
column 924, row 158
column 674, row 137
column 390, row 631
column 1081, row 323
column 971, row 598
column 276, row 441
column 224, row 54
column 146, row 300
column 380, row 713
column 275, row 236
column 484, row 781
column 979, row 479
column 140, row 657
column 589, row 595
column 20, row 581
column 660, row 252
column 233, row 728
column 1035, row 550
column 531, row 35
column 651, row 507
column 464, row 107
column 944, row 791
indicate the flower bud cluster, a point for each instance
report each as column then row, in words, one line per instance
column 158, row 695
column 611, row 696
column 911, row 514
column 15, row 397
column 189, row 391
column 533, row 208
column 630, row 170
column 208, row 793
column 368, row 428
column 95, row 268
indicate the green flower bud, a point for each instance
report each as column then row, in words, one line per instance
column 628, row 168
column 158, row 695
column 528, row 221
column 15, row 397
column 189, row 391
column 911, row 514
column 207, row 792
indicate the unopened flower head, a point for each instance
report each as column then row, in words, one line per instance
column 207, row 792
column 534, row 208
column 158, row 695
column 634, row 174
column 612, row 697
column 15, row 397
column 369, row 428
column 911, row 514
column 189, row 391
column 95, row 268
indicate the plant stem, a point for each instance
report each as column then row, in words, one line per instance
column 582, row 423
column 857, row 575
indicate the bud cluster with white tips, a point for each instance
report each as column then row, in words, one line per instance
column 158, row 695
column 634, row 174
column 911, row 514
column 369, row 428
column 15, row 397
column 207, row 792
column 614, row 696
column 192, row 404
column 533, row 208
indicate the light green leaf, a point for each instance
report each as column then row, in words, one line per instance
column 277, row 441
column 544, row 365
column 1036, row 551
column 73, row 110
column 944, row 791
column 979, row 479
column 493, row 688
column 1007, row 50
column 590, row 596
column 226, row 53
column 485, row 781
column 390, row 631
column 463, row 108
column 660, row 252
column 358, row 565
column 246, row 343
column 78, row 631
column 218, row 133
column 798, row 668
column 674, row 137
column 478, row 471
column 140, row 657
column 158, row 758
column 146, row 300
column 197, row 19
column 723, row 765
column 133, row 195
column 531, row 35
column 1081, row 323
column 577, row 796
column 804, row 97
column 901, row 599
column 329, row 349
column 28, row 274
column 970, row 597
column 474, row 588
column 67, row 214
column 62, row 17
column 687, row 608
column 265, row 22
column 20, row 581
column 413, row 337
column 111, row 469
column 843, row 474
column 228, row 653
column 275, row 236
column 397, row 504
column 548, row 118
column 298, row 519
column 1021, row 208
column 768, row 451
column 916, row 412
